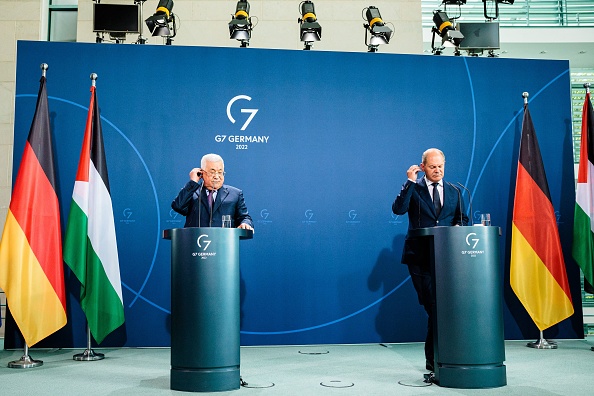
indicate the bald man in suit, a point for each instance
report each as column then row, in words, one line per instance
column 429, row 202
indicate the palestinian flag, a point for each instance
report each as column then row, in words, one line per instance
column 583, row 237
column 31, row 267
column 537, row 273
column 90, row 248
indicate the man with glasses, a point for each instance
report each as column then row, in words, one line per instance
column 204, row 203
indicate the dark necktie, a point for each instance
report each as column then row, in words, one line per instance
column 210, row 199
column 436, row 201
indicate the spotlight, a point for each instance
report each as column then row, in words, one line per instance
column 445, row 29
column 380, row 33
column 310, row 30
column 158, row 23
column 240, row 27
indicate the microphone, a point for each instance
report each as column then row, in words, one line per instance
column 469, row 202
column 459, row 202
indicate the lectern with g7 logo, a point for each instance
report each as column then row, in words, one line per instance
column 205, row 308
column 468, row 310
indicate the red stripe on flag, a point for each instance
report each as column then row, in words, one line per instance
column 35, row 206
column 584, row 160
column 82, row 173
column 534, row 216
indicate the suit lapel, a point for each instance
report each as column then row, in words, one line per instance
column 450, row 196
column 221, row 196
column 425, row 196
column 204, row 200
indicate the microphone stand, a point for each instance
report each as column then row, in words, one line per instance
column 469, row 202
column 200, row 203
column 459, row 202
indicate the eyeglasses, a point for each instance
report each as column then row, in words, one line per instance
column 213, row 174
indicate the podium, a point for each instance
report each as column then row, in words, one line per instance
column 205, row 308
column 468, row 311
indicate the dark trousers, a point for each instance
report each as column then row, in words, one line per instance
column 421, row 279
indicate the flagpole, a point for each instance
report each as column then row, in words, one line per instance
column 89, row 354
column 541, row 343
column 587, row 87
column 25, row 361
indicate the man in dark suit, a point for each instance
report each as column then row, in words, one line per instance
column 430, row 202
column 204, row 203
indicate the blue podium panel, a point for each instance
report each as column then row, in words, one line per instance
column 468, row 310
column 319, row 142
column 205, row 308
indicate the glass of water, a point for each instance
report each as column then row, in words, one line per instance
column 226, row 221
column 485, row 219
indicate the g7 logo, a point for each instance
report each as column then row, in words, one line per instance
column 252, row 111
column 207, row 242
column 475, row 240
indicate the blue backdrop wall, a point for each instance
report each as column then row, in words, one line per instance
column 320, row 143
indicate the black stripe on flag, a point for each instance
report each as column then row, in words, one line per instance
column 97, row 148
column 40, row 137
column 530, row 157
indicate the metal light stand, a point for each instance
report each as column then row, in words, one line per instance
column 141, row 38
column 434, row 49
column 89, row 354
column 370, row 47
column 169, row 39
column 542, row 343
column 25, row 361
column 486, row 13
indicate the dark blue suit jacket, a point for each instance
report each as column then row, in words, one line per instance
column 414, row 199
column 229, row 201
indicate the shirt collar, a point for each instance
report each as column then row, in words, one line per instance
column 429, row 182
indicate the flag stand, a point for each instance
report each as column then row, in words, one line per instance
column 25, row 361
column 542, row 343
column 89, row 354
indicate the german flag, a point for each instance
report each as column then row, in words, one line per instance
column 31, row 267
column 537, row 273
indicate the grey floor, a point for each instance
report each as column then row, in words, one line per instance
column 371, row 369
